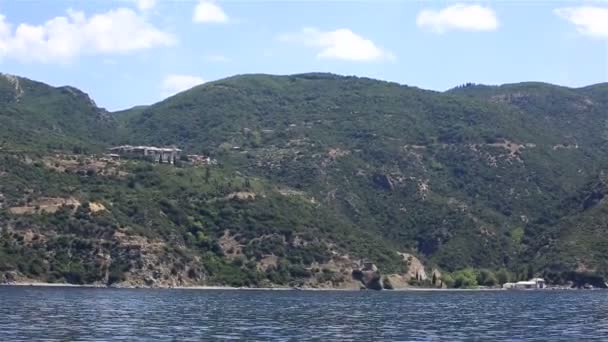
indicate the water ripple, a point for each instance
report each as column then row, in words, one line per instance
column 59, row 314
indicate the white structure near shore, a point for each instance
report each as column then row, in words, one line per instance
column 534, row 283
column 162, row 155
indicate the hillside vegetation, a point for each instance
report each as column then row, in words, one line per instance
column 38, row 117
column 318, row 174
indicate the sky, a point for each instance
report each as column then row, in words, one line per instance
column 135, row 52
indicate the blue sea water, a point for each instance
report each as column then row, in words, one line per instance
column 84, row 314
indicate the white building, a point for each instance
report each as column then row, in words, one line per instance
column 534, row 283
column 157, row 154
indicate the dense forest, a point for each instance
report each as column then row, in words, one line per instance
column 321, row 181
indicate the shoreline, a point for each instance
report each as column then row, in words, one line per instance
column 195, row 287
column 231, row 288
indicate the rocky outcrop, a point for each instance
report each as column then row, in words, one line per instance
column 8, row 277
column 14, row 81
column 415, row 268
column 16, row 277
column 230, row 246
column 436, row 279
column 45, row 205
column 395, row 282
column 241, row 195
column 416, row 275
column 95, row 207
column 383, row 182
column 155, row 267
column 369, row 276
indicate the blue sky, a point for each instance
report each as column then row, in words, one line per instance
column 131, row 52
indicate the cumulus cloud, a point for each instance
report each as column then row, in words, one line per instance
column 341, row 44
column 207, row 11
column 142, row 5
column 173, row 84
column 458, row 17
column 590, row 21
column 145, row 5
column 61, row 39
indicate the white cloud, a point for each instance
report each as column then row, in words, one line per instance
column 173, row 84
column 458, row 17
column 146, row 5
column 64, row 38
column 207, row 11
column 339, row 44
column 590, row 21
column 142, row 5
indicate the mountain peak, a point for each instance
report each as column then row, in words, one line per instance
column 13, row 86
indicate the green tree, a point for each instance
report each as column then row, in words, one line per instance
column 465, row 278
column 529, row 272
column 486, row 278
column 503, row 276
column 448, row 280
column 207, row 174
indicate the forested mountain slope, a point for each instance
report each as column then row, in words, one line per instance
column 320, row 169
column 456, row 176
column 37, row 116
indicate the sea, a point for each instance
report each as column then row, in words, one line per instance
column 100, row 314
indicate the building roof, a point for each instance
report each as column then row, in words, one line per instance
column 529, row 282
column 149, row 148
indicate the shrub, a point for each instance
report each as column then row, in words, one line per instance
column 465, row 278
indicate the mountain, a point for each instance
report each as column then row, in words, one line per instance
column 318, row 177
column 399, row 160
column 65, row 117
